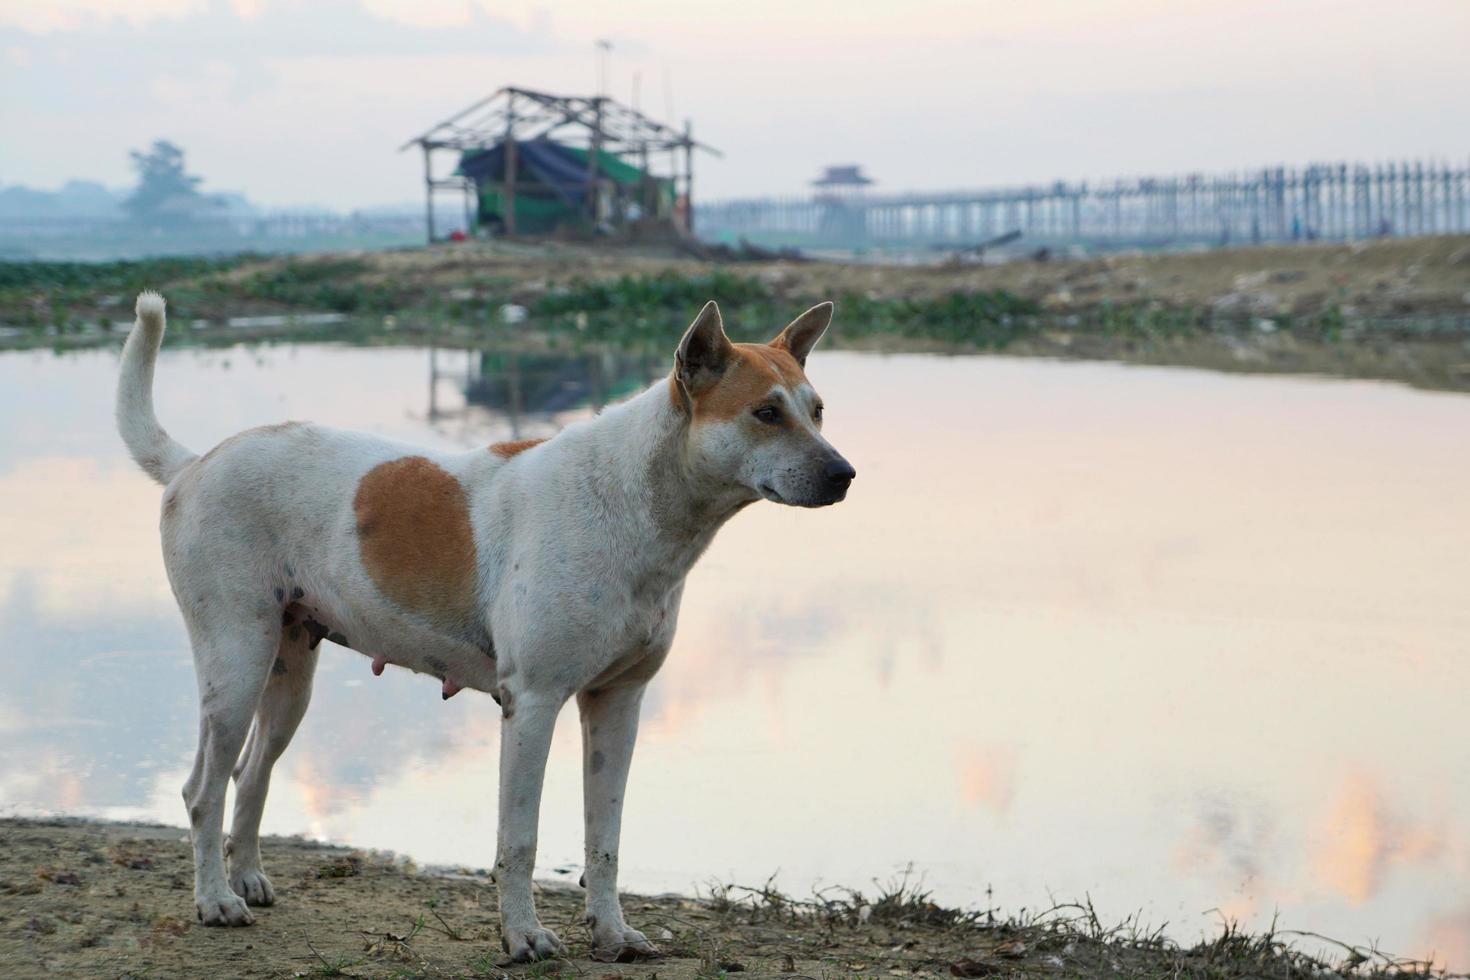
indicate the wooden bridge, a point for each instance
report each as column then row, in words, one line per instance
column 1323, row 201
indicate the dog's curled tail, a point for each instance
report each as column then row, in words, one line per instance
column 159, row 455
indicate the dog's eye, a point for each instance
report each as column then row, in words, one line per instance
column 817, row 414
column 768, row 415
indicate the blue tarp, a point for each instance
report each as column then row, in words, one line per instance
column 560, row 169
column 551, row 182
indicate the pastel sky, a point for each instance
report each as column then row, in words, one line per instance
column 307, row 101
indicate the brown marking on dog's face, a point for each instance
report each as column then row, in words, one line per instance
column 505, row 450
column 755, row 420
column 413, row 529
column 748, row 379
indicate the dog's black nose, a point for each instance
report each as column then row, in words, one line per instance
column 840, row 472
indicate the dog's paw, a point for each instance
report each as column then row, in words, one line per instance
column 525, row 945
column 252, row 885
column 619, row 944
column 223, row 909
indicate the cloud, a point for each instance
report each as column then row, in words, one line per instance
column 70, row 15
column 72, row 64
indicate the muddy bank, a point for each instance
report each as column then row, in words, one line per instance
column 87, row 899
column 1393, row 310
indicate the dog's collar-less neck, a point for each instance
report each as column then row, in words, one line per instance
column 676, row 505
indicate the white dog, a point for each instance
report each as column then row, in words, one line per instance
column 534, row 571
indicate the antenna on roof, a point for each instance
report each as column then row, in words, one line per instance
column 603, row 47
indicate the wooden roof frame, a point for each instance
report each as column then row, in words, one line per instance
column 526, row 114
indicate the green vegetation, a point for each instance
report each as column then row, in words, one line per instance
column 666, row 290
column 634, row 308
column 64, row 296
column 332, row 285
column 51, row 299
column 990, row 320
column 474, row 302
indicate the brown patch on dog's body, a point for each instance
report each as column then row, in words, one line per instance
column 414, row 533
column 753, row 370
column 505, row 450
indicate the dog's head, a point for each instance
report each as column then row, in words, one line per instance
column 755, row 420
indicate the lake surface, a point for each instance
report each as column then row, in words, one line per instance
column 1189, row 644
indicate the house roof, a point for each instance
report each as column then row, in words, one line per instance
column 525, row 114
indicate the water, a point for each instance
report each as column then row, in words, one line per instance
column 1177, row 641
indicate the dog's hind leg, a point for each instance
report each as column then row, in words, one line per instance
column 232, row 667
column 282, row 706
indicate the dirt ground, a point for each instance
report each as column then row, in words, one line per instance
column 114, row 900
column 109, row 900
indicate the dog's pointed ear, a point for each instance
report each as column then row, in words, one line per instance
column 705, row 351
column 802, row 334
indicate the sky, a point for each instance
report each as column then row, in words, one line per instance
column 306, row 102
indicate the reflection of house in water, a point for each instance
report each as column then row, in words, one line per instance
column 515, row 395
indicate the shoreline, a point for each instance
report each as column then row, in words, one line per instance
column 1431, row 363
column 1394, row 310
column 81, row 897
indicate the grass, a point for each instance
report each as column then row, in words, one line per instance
column 62, row 301
column 65, row 295
column 1064, row 940
column 68, row 304
column 331, row 966
column 666, row 290
column 631, row 309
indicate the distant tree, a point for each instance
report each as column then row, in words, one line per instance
column 165, row 192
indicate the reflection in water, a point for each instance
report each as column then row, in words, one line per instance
column 1362, row 839
column 1179, row 641
column 1449, row 937
column 990, row 777
column 529, row 392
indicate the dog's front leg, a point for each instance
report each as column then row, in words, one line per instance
column 525, row 740
column 609, row 728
